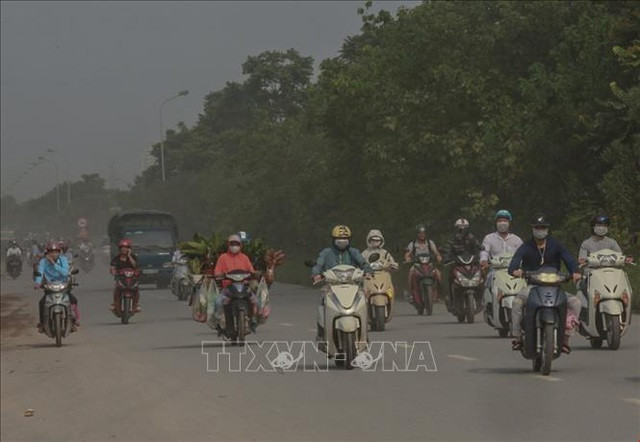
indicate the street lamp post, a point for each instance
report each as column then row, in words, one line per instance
column 173, row 97
column 66, row 162
column 55, row 165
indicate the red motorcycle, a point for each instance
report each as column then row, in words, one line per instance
column 466, row 287
column 423, row 285
column 127, row 286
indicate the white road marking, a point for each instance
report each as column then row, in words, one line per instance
column 286, row 324
column 631, row 400
column 462, row 357
column 404, row 344
column 546, row 378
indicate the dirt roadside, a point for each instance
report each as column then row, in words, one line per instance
column 17, row 319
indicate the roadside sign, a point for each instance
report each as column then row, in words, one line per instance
column 82, row 222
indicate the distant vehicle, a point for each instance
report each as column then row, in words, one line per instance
column 154, row 235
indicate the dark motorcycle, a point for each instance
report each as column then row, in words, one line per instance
column 14, row 266
column 86, row 260
column 57, row 309
column 127, row 285
column 424, row 291
column 466, row 287
column 239, row 308
column 544, row 318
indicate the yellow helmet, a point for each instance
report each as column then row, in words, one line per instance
column 341, row 231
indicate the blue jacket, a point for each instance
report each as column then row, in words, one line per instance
column 331, row 257
column 59, row 271
column 528, row 256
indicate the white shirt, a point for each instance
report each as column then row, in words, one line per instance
column 494, row 244
column 14, row 251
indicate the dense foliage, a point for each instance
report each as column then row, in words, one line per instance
column 444, row 110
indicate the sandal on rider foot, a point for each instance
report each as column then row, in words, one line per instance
column 137, row 310
column 566, row 349
column 40, row 328
column 516, row 345
column 112, row 307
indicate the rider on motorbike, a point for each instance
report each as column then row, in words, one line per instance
column 64, row 251
column 375, row 244
column 463, row 241
column 421, row 246
column 53, row 267
column 14, row 249
column 541, row 251
column 498, row 242
column 599, row 240
column 232, row 259
column 340, row 253
column 126, row 259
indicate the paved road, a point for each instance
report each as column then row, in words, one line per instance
column 148, row 381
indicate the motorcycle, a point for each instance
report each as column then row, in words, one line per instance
column 127, row 284
column 466, row 288
column 424, row 292
column 86, row 260
column 240, row 308
column 14, row 266
column 379, row 293
column 544, row 318
column 343, row 315
column 499, row 299
column 180, row 284
column 606, row 299
column 58, row 319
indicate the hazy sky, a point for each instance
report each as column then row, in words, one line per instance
column 87, row 78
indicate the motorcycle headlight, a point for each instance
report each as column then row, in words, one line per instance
column 167, row 265
column 343, row 276
column 56, row 286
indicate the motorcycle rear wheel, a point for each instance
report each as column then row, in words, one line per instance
column 595, row 343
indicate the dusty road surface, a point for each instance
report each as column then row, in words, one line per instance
column 149, row 380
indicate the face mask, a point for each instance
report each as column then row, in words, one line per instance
column 375, row 243
column 600, row 230
column 341, row 244
column 540, row 233
column 234, row 249
column 503, row 226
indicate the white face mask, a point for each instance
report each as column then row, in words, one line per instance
column 503, row 226
column 540, row 233
column 341, row 244
column 601, row 230
column 375, row 243
column 234, row 249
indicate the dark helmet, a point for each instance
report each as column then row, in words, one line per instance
column 600, row 219
column 539, row 220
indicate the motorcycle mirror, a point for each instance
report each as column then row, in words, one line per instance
column 309, row 263
column 374, row 257
column 75, row 271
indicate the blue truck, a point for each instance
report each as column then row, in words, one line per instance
column 154, row 235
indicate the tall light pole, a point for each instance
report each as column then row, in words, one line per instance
column 66, row 162
column 57, row 180
column 173, row 97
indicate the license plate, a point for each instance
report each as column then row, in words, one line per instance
column 150, row 271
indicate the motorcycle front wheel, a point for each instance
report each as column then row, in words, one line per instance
column 126, row 310
column 547, row 349
column 58, row 325
column 379, row 318
column 241, row 327
column 470, row 308
column 613, row 332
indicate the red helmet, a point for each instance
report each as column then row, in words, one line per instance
column 125, row 242
column 52, row 246
column 63, row 246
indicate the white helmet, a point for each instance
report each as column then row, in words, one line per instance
column 462, row 224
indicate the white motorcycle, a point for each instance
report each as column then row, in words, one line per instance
column 343, row 315
column 499, row 299
column 181, row 284
column 606, row 299
column 58, row 318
